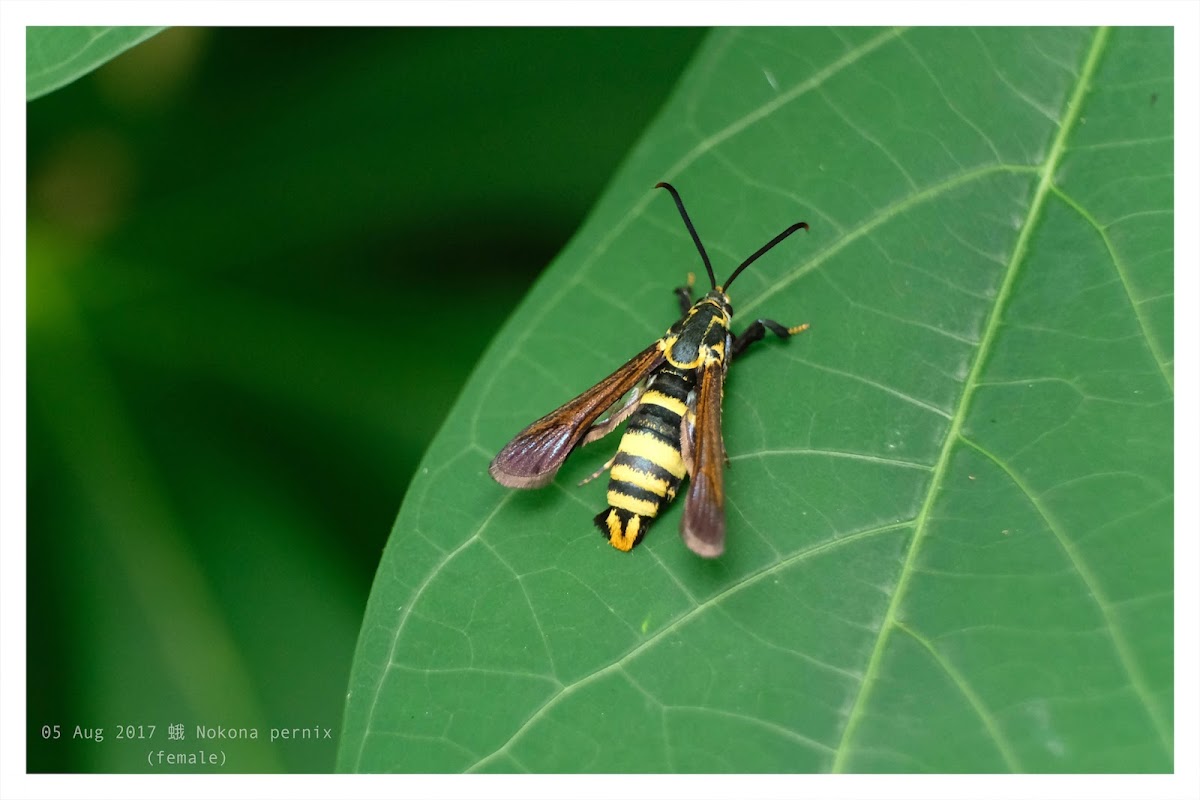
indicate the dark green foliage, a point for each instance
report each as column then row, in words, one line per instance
column 261, row 265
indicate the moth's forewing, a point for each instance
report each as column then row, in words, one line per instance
column 532, row 458
column 703, row 526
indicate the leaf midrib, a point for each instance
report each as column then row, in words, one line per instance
column 1044, row 189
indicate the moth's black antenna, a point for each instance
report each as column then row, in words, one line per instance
column 692, row 230
column 763, row 249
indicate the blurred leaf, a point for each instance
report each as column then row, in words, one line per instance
column 950, row 502
column 55, row 56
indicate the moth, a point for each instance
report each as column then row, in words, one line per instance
column 675, row 388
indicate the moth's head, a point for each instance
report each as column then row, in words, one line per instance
column 721, row 299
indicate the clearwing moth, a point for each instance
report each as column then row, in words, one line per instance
column 674, row 410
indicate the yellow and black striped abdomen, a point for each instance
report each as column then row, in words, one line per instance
column 649, row 464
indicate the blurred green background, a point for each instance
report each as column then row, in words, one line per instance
column 261, row 263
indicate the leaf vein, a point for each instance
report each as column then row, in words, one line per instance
column 1092, row 583
column 805, row 451
column 407, row 612
column 975, row 701
column 744, row 583
column 1118, row 264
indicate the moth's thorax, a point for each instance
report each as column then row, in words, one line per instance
column 701, row 337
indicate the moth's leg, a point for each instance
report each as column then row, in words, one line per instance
column 606, row 426
column 758, row 329
column 607, row 464
column 684, row 293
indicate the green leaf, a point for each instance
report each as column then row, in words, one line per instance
column 950, row 502
column 56, row 56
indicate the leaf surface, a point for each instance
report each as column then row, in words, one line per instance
column 949, row 502
column 56, row 56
